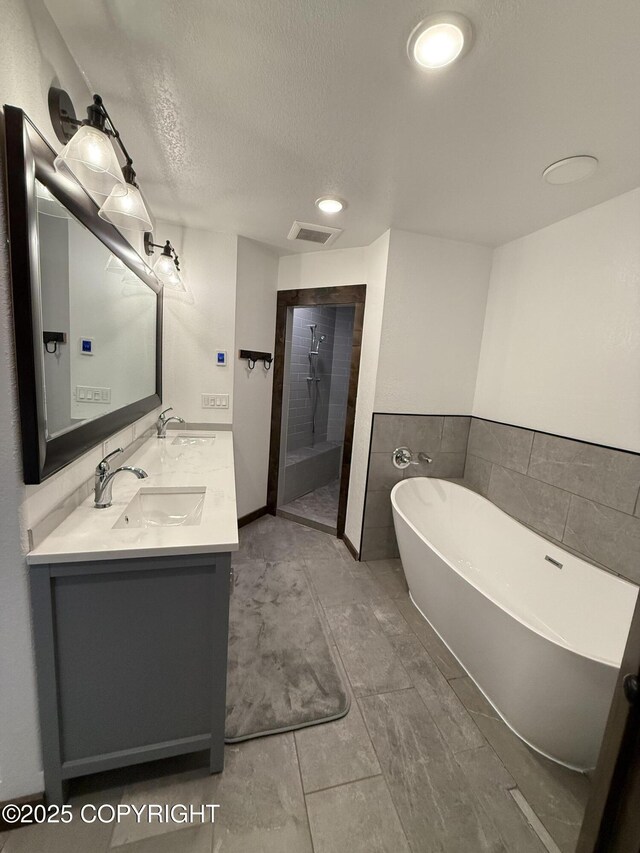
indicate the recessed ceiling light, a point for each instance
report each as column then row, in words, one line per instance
column 440, row 39
column 330, row 204
column 570, row 169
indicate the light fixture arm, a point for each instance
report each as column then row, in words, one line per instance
column 98, row 116
column 167, row 249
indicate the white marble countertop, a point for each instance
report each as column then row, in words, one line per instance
column 88, row 533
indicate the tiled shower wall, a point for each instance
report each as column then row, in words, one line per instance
column 299, row 421
column 582, row 496
column 336, row 322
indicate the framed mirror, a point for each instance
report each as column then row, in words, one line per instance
column 87, row 311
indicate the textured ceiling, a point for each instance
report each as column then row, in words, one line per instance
column 240, row 114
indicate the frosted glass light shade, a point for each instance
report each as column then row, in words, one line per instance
column 90, row 158
column 167, row 272
column 127, row 211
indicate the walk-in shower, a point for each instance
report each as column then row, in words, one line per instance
column 315, row 391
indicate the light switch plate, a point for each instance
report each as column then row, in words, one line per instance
column 215, row 401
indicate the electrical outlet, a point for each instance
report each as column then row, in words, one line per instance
column 215, row 401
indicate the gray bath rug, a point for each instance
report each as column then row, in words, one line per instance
column 281, row 674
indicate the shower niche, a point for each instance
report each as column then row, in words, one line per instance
column 318, row 350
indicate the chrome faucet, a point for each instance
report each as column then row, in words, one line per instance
column 161, row 423
column 402, row 457
column 104, row 479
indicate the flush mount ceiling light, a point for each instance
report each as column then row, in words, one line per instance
column 571, row 169
column 440, row 39
column 167, row 267
column 89, row 156
column 330, row 204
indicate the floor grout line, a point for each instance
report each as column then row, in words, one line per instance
column 534, row 821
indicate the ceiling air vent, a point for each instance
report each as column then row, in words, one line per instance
column 320, row 234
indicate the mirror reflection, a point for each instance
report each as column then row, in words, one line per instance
column 98, row 320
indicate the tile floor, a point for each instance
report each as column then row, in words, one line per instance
column 421, row 763
column 319, row 507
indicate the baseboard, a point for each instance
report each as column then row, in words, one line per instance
column 351, row 547
column 30, row 802
column 252, row 516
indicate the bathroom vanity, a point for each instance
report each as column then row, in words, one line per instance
column 130, row 614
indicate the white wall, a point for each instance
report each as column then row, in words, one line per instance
column 32, row 55
column 199, row 322
column 561, row 345
column 375, row 275
column 336, row 268
column 327, row 268
column 256, row 292
column 434, row 308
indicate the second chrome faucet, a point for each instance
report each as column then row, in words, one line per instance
column 104, row 477
column 162, row 422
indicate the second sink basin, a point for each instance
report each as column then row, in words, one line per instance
column 193, row 440
column 164, row 507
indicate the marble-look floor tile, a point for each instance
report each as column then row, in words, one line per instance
column 434, row 801
column 444, row 660
column 335, row 753
column 337, row 581
column 390, row 575
column 359, row 818
column 491, row 784
column 391, row 620
column 195, row 839
column 451, row 717
column 557, row 795
column 261, row 801
column 74, row 837
column 194, row 787
column 371, row 663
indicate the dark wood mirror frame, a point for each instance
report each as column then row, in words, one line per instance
column 28, row 157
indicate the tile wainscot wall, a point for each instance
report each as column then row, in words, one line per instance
column 581, row 496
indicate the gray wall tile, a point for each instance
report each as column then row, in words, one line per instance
column 379, row 544
column 537, row 504
column 477, row 473
column 378, row 510
column 606, row 535
column 455, row 434
column 610, row 477
column 382, row 472
column 506, row 445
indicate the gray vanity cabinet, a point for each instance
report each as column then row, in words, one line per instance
column 131, row 661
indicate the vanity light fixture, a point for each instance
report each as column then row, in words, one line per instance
column 167, row 267
column 330, row 204
column 440, row 39
column 90, row 157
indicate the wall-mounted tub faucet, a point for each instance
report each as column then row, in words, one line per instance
column 161, row 423
column 104, row 476
column 403, row 457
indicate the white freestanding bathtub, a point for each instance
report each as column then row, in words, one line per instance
column 541, row 632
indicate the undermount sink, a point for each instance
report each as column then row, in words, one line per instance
column 193, row 440
column 164, row 507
